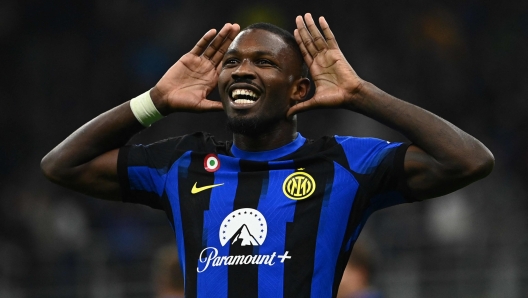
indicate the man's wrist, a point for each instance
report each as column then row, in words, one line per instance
column 144, row 109
column 373, row 102
column 359, row 99
column 159, row 102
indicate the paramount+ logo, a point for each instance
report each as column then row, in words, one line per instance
column 298, row 186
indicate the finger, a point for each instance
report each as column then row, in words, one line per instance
column 307, row 57
column 302, row 107
column 218, row 69
column 200, row 47
column 219, row 55
column 207, row 105
column 329, row 36
column 318, row 39
column 306, row 37
column 216, row 44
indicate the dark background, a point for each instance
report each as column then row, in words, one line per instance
column 64, row 62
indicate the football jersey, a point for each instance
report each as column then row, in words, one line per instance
column 278, row 223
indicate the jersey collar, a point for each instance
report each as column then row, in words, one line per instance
column 270, row 154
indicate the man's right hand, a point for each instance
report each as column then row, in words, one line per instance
column 86, row 161
column 185, row 86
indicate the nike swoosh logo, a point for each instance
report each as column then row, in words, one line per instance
column 196, row 190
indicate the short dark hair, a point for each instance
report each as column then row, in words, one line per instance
column 287, row 37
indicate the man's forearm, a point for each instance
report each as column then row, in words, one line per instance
column 107, row 131
column 454, row 151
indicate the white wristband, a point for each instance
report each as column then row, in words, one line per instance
column 144, row 109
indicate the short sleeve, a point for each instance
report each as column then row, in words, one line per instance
column 378, row 165
column 142, row 171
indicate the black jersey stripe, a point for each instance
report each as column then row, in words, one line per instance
column 192, row 208
column 301, row 234
column 252, row 183
column 167, row 208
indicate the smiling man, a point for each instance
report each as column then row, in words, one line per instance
column 269, row 214
column 262, row 65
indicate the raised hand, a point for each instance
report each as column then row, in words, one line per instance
column 335, row 81
column 185, row 86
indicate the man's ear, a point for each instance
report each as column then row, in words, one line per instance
column 302, row 87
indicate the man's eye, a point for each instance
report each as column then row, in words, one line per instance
column 230, row 61
column 264, row 62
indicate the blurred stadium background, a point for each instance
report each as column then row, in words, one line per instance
column 64, row 62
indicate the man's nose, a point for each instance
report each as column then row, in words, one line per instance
column 244, row 70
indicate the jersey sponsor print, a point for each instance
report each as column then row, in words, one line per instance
column 242, row 227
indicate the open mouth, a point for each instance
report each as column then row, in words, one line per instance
column 243, row 96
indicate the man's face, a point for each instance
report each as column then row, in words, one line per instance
column 257, row 81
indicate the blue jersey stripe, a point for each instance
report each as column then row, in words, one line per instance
column 270, row 154
column 335, row 213
column 365, row 154
column 212, row 281
column 147, row 179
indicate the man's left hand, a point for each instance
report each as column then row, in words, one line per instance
column 336, row 83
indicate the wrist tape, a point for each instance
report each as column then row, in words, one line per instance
column 144, row 109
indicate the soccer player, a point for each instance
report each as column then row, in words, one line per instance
column 269, row 214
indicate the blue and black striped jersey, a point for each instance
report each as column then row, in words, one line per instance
column 279, row 223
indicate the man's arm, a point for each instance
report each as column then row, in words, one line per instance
column 442, row 159
column 86, row 161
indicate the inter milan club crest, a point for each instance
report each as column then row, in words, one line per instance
column 211, row 163
column 298, row 185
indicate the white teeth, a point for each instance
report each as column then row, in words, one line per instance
column 244, row 101
column 245, row 92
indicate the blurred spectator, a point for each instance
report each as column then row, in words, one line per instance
column 168, row 277
column 357, row 278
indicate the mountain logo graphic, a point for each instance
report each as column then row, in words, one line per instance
column 243, row 237
column 243, row 227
